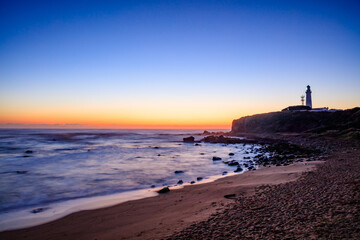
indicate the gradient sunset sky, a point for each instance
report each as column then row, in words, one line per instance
column 172, row 64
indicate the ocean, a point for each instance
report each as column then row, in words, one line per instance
column 46, row 174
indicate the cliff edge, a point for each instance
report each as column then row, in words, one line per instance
column 340, row 123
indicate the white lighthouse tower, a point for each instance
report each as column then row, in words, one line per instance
column 308, row 97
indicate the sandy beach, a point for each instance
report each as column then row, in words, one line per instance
column 160, row 216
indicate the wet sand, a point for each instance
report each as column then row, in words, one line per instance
column 161, row 216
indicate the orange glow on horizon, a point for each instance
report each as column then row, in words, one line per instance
column 184, row 115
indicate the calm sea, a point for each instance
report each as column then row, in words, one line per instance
column 40, row 168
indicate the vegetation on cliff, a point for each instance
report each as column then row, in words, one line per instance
column 344, row 124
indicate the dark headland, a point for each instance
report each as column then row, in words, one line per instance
column 308, row 187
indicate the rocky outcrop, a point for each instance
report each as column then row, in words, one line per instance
column 299, row 122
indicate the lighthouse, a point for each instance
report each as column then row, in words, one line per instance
column 308, row 97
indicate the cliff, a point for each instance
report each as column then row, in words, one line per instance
column 339, row 122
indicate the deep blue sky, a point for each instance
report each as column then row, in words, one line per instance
column 204, row 62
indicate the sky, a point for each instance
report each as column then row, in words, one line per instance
column 172, row 64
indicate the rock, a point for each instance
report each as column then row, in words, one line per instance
column 196, row 144
column 246, row 157
column 202, row 153
column 239, row 169
column 26, row 156
column 216, row 158
column 159, row 155
column 192, row 182
column 224, row 173
column 38, row 210
column 231, row 154
column 164, row 190
column 29, row 151
column 189, row 139
column 156, row 147
column 233, row 163
column 180, row 182
column 152, row 186
column 178, row 171
column 21, row 172
column 230, row 196
column 199, row 178
column 227, row 140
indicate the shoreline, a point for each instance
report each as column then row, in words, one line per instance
column 164, row 214
column 24, row 218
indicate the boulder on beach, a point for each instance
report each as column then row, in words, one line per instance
column 178, row 171
column 233, row 195
column 164, row 190
column 189, row 139
column 216, row 158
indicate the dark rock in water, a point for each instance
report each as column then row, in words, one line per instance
column 246, row 157
column 230, row 196
column 38, row 210
column 156, row 147
column 164, row 190
column 239, row 169
column 233, row 163
column 206, row 132
column 231, row 154
column 152, row 186
column 224, row 173
column 178, row 171
column 159, row 155
column 26, row 156
column 180, row 182
column 202, row 153
column 199, row 178
column 227, row 140
column 189, row 139
column 216, row 158
column 192, row 182
column 21, row 172
column 89, row 150
column 29, row 151
column 196, row 144
column 251, row 168
column 54, row 139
